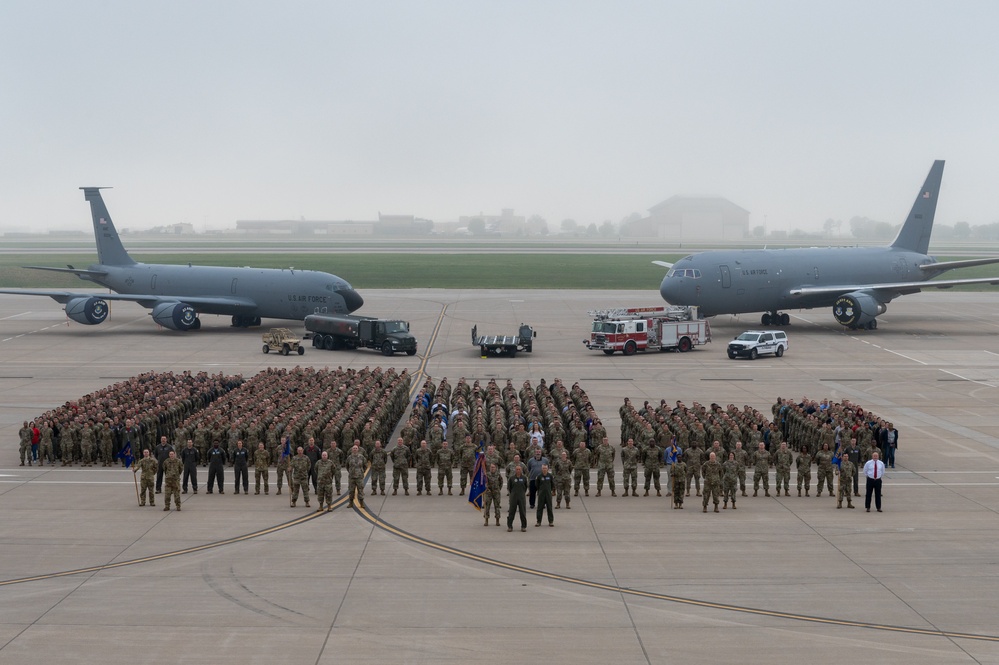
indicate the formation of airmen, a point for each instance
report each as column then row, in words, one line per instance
column 314, row 423
column 94, row 429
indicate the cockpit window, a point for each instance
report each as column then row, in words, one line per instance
column 692, row 273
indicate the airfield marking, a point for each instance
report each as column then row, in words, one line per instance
column 405, row 535
column 339, row 502
column 964, row 378
column 32, row 332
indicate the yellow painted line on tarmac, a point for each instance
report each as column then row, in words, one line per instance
column 385, row 526
column 167, row 555
column 422, row 369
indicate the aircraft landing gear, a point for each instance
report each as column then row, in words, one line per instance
column 239, row 321
column 776, row 319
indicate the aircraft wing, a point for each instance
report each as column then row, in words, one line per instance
column 218, row 305
column 898, row 288
column 664, row 264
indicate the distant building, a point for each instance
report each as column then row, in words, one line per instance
column 686, row 217
column 506, row 222
column 404, row 225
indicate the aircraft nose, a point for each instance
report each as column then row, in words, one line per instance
column 351, row 299
column 666, row 290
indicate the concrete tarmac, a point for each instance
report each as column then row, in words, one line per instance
column 87, row 576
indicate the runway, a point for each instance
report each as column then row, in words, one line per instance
column 419, row 579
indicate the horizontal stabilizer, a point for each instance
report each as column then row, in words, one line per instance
column 74, row 271
column 951, row 265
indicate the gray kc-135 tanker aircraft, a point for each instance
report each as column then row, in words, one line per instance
column 856, row 282
column 177, row 294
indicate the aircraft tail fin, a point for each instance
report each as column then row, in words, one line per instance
column 915, row 233
column 110, row 251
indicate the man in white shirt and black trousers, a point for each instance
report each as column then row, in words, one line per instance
column 875, row 471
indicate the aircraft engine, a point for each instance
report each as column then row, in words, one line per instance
column 175, row 316
column 88, row 311
column 858, row 310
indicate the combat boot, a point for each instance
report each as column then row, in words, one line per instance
column 819, row 493
column 598, row 492
column 806, row 492
column 294, row 503
column 705, row 509
column 329, row 508
column 419, row 492
column 743, row 492
column 725, row 505
column 461, row 493
column 786, row 493
column 178, row 507
column 756, row 492
column 849, row 504
column 586, row 492
column 658, row 493
column 767, row 492
column 449, row 491
column 363, row 505
column 576, row 492
column 839, row 504
column 646, row 493
column 279, row 491
column 307, row 505
column 567, row 506
column 407, row 492
column 440, row 492
column 799, row 491
column 716, row 508
column 166, row 508
column 558, row 504
column 486, row 521
column 383, row 491
column 733, row 504
column 320, row 509
column 497, row 521
column 613, row 493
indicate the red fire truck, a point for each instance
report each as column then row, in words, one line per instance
column 647, row 329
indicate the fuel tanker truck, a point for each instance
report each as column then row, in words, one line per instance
column 346, row 331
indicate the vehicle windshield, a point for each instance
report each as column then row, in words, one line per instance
column 396, row 327
column 748, row 337
column 603, row 327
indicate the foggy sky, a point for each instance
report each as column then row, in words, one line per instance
column 209, row 112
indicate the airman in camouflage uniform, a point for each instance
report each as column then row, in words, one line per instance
column 823, row 459
column 466, row 462
column 563, row 479
column 803, row 464
column 283, row 469
column 712, row 473
column 761, row 470
column 424, row 460
column 356, row 465
column 494, row 485
column 336, row 456
column 742, row 462
column 445, row 467
column 24, row 435
column 379, row 460
column 782, row 462
column 693, row 462
column 87, row 442
column 581, row 465
column 678, row 469
column 400, row 466
column 730, row 479
column 629, row 461
column 605, row 454
column 324, row 482
column 846, row 469
column 300, row 469
column 652, row 458
column 106, row 445
column 172, row 468
column 147, row 481
column 261, row 467
column 45, row 444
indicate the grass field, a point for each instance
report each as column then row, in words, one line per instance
column 384, row 271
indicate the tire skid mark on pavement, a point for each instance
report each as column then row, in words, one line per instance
column 405, row 535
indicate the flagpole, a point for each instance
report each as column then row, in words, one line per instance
column 134, row 478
